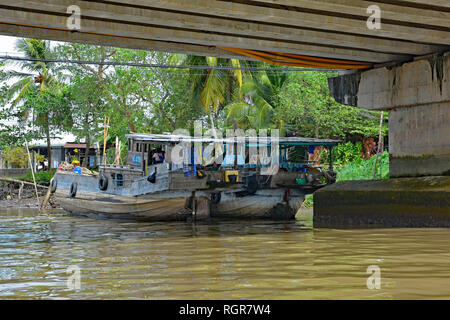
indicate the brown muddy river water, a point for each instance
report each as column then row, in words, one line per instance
column 216, row 260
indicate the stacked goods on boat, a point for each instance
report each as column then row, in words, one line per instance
column 151, row 186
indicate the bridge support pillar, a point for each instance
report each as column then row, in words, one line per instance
column 417, row 96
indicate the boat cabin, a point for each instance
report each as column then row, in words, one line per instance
column 150, row 156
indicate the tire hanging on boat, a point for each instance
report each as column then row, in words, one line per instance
column 152, row 178
column 53, row 185
column 73, row 190
column 215, row 197
column 103, row 183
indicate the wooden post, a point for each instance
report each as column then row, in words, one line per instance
column 193, row 205
column 119, row 159
column 144, row 164
column 379, row 145
column 34, row 179
column 47, row 196
column 20, row 194
column 330, row 158
column 105, row 134
column 24, row 182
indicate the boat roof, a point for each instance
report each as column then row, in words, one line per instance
column 174, row 139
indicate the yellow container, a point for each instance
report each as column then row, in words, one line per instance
column 228, row 173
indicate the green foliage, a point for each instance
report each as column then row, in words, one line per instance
column 307, row 108
column 215, row 87
column 309, row 201
column 257, row 101
column 359, row 169
column 362, row 169
column 54, row 98
column 16, row 157
column 346, row 152
column 111, row 154
column 42, row 177
column 34, row 99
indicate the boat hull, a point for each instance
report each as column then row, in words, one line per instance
column 124, row 207
column 90, row 201
column 264, row 204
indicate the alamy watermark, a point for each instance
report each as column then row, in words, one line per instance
column 74, row 279
column 374, row 280
column 374, row 20
column 74, row 20
column 241, row 147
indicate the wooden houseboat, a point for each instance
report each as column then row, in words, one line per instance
column 153, row 185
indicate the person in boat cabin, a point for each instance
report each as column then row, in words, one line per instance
column 158, row 156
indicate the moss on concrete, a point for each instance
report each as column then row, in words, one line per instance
column 437, row 69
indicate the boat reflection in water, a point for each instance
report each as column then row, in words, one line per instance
column 166, row 177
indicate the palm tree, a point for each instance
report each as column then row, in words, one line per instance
column 34, row 75
column 258, row 100
column 216, row 87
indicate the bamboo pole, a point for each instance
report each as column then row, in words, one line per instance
column 20, row 194
column 381, row 160
column 32, row 173
column 117, row 152
column 105, row 134
column 104, row 143
column 379, row 145
column 46, row 198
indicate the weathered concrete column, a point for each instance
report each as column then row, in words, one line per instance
column 417, row 96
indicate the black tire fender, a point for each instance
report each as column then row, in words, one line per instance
column 103, row 182
column 215, row 197
column 73, row 189
column 152, row 178
column 53, row 185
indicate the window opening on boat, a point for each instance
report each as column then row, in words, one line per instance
column 119, row 180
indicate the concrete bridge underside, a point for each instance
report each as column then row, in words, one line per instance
column 410, row 75
column 331, row 29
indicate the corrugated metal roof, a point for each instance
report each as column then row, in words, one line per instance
column 170, row 138
column 77, row 146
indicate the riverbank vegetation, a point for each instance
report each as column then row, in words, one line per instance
column 42, row 177
column 352, row 167
column 43, row 100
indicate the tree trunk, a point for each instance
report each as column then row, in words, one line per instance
column 316, row 131
column 49, row 145
column 86, row 152
column 131, row 126
column 88, row 142
column 380, row 137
